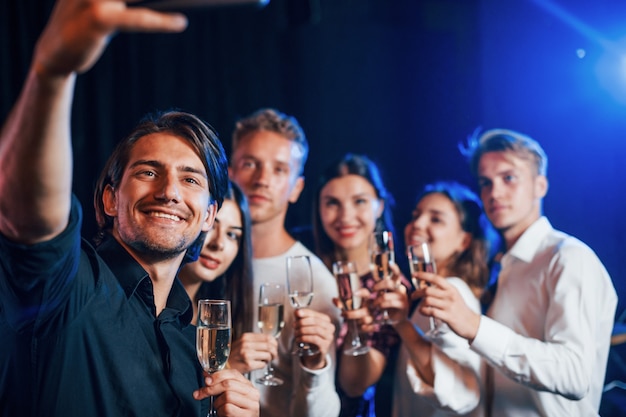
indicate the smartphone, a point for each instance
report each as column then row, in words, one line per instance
column 185, row 4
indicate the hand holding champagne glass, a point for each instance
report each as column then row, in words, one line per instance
column 421, row 260
column 349, row 283
column 300, row 289
column 271, row 322
column 213, row 338
column 381, row 255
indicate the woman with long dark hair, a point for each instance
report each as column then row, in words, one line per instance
column 223, row 269
column 350, row 203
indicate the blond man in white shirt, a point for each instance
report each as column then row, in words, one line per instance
column 546, row 335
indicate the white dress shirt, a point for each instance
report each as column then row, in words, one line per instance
column 305, row 392
column 548, row 329
column 458, row 372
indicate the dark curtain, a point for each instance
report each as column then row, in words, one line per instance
column 369, row 76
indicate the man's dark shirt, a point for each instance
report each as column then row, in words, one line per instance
column 79, row 337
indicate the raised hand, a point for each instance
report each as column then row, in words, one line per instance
column 252, row 351
column 442, row 300
column 79, row 30
column 74, row 38
column 316, row 329
column 235, row 396
column 362, row 314
column 392, row 296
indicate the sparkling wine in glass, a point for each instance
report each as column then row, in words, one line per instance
column 421, row 260
column 271, row 322
column 213, row 338
column 300, row 289
column 382, row 255
column 349, row 283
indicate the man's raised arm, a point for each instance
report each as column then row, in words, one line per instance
column 35, row 141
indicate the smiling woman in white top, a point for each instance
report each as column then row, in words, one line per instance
column 440, row 375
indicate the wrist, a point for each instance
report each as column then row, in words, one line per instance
column 314, row 362
column 473, row 331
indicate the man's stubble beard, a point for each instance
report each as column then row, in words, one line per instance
column 156, row 248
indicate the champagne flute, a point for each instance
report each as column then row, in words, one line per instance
column 213, row 338
column 421, row 260
column 349, row 283
column 381, row 255
column 271, row 321
column 300, row 289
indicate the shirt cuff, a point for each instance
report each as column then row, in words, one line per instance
column 312, row 378
column 491, row 340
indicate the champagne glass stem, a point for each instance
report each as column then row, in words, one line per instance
column 386, row 318
column 356, row 346
column 435, row 330
column 212, row 412
column 356, row 340
column 433, row 325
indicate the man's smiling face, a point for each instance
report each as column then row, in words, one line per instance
column 162, row 202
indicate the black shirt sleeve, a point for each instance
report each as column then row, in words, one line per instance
column 36, row 278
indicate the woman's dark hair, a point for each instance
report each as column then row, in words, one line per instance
column 200, row 136
column 349, row 164
column 471, row 265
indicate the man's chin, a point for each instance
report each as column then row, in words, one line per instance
column 498, row 220
column 257, row 216
column 502, row 226
column 161, row 249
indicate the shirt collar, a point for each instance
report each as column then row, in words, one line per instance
column 530, row 241
column 125, row 268
column 179, row 300
column 130, row 275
